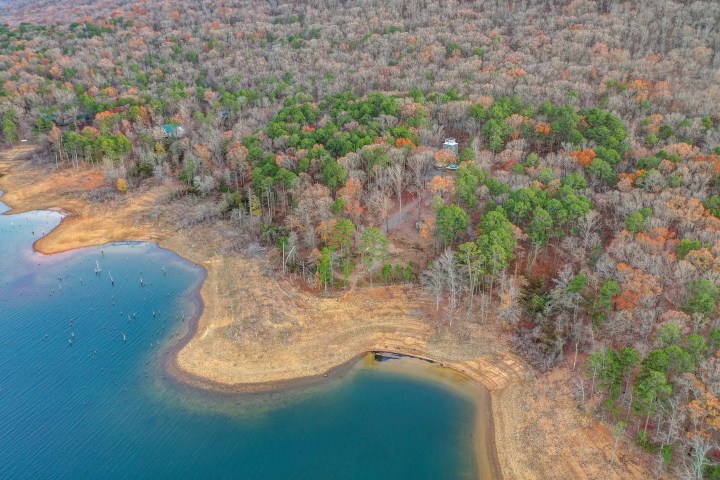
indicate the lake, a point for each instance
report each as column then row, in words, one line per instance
column 84, row 392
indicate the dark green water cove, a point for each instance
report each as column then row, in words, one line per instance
column 84, row 392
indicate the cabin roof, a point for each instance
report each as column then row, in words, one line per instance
column 169, row 128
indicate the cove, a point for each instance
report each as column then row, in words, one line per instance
column 84, row 392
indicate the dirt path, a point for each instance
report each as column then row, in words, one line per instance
column 402, row 215
column 257, row 327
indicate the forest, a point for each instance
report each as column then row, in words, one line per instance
column 583, row 216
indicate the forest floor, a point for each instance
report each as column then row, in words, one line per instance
column 258, row 328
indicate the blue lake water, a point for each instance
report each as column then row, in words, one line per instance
column 84, row 393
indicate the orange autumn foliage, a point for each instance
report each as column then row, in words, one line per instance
column 584, row 157
column 635, row 284
column 682, row 150
column 711, row 158
column 658, row 240
column 444, row 157
column 702, row 259
column 543, row 128
column 627, row 181
column 350, row 193
column 325, row 228
column 203, row 153
column 653, row 123
column 704, row 410
column 642, row 87
column 404, row 142
column 56, row 72
column 688, row 209
column 110, row 92
column 106, row 115
column 442, row 185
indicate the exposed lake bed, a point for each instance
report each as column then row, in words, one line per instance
column 535, row 438
column 87, row 335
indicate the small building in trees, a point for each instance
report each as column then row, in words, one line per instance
column 444, row 158
column 452, row 145
column 173, row 131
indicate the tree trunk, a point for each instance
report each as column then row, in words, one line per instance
column 577, row 343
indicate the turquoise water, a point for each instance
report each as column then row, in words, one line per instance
column 83, row 393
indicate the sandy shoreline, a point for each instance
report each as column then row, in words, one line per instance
column 284, row 337
column 485, row 446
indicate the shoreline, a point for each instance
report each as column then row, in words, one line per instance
column 486, row 453
column 404, row 333
column 260, row 328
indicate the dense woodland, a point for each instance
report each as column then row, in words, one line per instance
column 583, row 216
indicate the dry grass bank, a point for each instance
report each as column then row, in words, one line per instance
column 257, row 327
